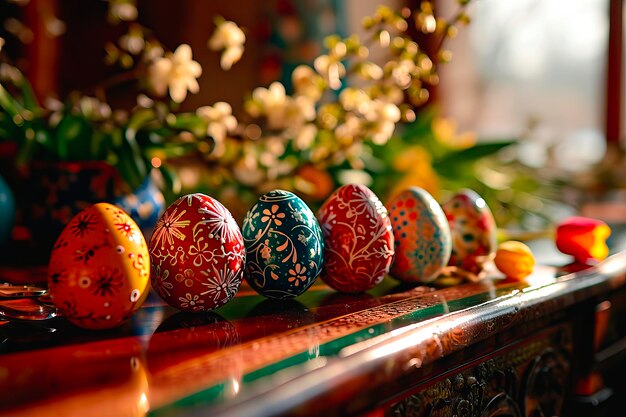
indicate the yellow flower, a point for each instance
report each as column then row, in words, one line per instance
column 415, row 162
column 445, row 131
column 177, row 72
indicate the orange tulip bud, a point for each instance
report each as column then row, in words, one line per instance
column 514, row 259
column 583, row 238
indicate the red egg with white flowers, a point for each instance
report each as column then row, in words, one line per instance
column 358, row 239
column 197, row 254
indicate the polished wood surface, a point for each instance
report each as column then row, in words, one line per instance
column 322, row 352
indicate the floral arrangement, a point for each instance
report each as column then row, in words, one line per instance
column 339, row 125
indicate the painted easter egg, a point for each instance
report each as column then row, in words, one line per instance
column 473, row 230
column 284, row 245
column 422, row 236
column 358, row 240
column 197, row 254
column 99, row 268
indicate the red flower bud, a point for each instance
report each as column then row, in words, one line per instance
column 583, row 238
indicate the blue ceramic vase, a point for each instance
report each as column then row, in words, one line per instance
column 145, row 205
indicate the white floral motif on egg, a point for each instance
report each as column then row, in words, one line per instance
column 210, row 244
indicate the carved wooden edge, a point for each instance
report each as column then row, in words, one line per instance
column 527, row 378
column 380, row 360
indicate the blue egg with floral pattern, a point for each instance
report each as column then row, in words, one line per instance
column 284, row 245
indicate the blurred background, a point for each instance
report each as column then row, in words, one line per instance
column 524, row 103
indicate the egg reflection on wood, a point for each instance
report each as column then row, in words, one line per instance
column 99, row 268
column 284, row 245
column 197, row 254
column 358, row 240
column 422, row 236
column 473, row 230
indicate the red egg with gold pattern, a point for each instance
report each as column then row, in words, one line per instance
column 358, row 239
column 197, row 254
column 99, row 268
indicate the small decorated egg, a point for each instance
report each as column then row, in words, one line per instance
column 197, row 254
column 283, row 245
column 422, row 236
column 514, row 259
column 358, row 240
column 99, row 268
column 473, row 231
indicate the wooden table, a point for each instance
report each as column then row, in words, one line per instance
column 553, row 345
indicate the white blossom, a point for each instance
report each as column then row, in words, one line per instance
column 384, row 116
column 123, row 10
column 330, row 69
column 229, row 38
column 282, row 111
column 350, row 129
column 402, row 73
column 306, row 82
column 177, row 72
column 220, row 119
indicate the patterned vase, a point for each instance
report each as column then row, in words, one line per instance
column 145, row 205
column 58, row 191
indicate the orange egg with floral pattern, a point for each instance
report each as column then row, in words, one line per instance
column 99, row 268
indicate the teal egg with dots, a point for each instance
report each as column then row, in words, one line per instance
column 284, row 245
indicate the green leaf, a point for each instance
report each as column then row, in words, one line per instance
column 172, row 184
column 170, row 150
column 421, row 127
column 27, row 150
column 131, row 165
column 139, row 119
column 100, row 144
column 471, row 154
column 8, row 103
column 188, row 121
column 73, row 138
column 28, row 95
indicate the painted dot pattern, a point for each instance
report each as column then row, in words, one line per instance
column 473, row 231
column 422, row 236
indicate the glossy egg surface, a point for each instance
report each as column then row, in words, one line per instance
column 99, row 268
column 422, row 236
column 473, row 230
column 197, row 254
column 358, row 240
column 284, row 245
